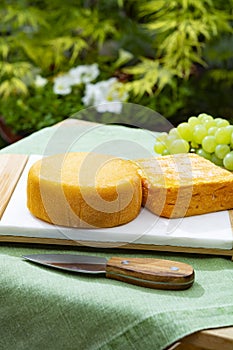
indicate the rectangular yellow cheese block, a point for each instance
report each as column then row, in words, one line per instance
column 184, row 185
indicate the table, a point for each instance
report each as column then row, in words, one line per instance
column 41, row 308
column 214, row 339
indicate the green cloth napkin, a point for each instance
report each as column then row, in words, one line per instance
column 43, row 308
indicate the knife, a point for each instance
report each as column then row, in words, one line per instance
column 146, row 272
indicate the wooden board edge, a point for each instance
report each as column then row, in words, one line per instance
column 10, row 175
column 210, row 339
column 116, row 245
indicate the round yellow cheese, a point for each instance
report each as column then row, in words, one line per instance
column 84, row 190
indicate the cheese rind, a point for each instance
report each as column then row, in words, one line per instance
column 84, row 190
column 184, row 185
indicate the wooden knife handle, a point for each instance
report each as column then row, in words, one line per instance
column 152, row 273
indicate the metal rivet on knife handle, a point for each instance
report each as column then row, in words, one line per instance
column 153, row 273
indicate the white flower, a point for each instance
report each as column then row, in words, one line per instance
column 84, row 73
column 62, row 85
column 40, row 81
column 106, row 95
column 81, row 74
column 91, row 95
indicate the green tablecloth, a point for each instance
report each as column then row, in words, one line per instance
column 41, row 308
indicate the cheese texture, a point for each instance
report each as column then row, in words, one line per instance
column 184, row 185
column 84, row 190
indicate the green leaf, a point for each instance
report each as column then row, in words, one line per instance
column 150, row 7
column 24, row 16
column 165, row 78
column 162, row 26
column 4, row 48
column 17, row 69
column 12, row 86
column 149, row 76
column 124, row 57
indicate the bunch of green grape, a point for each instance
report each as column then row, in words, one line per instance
column 211, row 138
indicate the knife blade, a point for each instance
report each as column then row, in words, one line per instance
column 146, row 272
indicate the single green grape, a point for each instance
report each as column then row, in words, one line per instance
column 199, row 132
column 206, row 116
column 223, row 135
column 159, row 147
column 209, row 143
column 221, row 151
column 208, row 123
column 229, row 128
column 203, row 116
column 192, row 122
column 203, row 153
column 228, row 161
column 179, row 146
column 174, row 132
column 194, row 145
column 212, row 130
column 170, row 139
column 216, row 160
column 185, row 131
column 207, row 120
column 220, row 122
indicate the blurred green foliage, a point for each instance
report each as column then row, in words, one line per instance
column 175, row 57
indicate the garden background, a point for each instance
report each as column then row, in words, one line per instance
column 58, row 57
